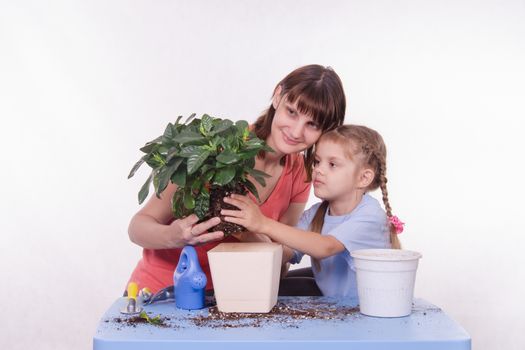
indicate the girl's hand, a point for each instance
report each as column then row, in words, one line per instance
column 249, row 215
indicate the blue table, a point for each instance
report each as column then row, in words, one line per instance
column 300, row 323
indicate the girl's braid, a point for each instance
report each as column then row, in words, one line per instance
column 394, row 240
column 382, row 184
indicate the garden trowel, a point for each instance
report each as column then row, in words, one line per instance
column 163, row 294
column 132, row 308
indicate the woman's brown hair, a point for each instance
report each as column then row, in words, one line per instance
column 319, row 93
column 368, row 146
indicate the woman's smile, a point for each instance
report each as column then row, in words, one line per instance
column 289, row 140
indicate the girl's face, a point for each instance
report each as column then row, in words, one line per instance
column 292, row 131
column 335, row 176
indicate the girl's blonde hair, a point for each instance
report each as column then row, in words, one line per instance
column 318, row 92
column 368, row 147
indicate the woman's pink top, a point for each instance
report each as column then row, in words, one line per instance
column 155, row 269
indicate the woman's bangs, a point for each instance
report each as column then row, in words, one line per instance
column 315, row 104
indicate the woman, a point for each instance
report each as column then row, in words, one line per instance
column 307, row 102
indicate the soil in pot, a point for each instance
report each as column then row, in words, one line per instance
column 217, row 203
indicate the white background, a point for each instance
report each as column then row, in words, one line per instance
column 83, row 85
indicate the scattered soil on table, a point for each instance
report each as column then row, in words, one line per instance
column 281, row 313
column 137, row 320
column 288, row 315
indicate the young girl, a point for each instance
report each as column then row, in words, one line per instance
column 307, row 102
column 349, row 162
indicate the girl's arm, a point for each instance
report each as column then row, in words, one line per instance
column 290, row 217
column 153, row 226
column 311, row 243
column 292, row 214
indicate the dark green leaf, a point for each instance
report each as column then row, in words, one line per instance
column 267, row 148
column 241, row 125
column 224, row 176
column 232, row 143
column 152, row 145
column 168, row 132
column 202, row 204
column 136, row 166
column 189, row 200
column 155, row 320
column 258, row 175
column 250, row 163
column 246, row 134
column 241, row 173
column 144, row 191
column 195, row 161
column 248, row 155
column 179, row 176
column 175, row 163
column 155, row 160
column 186, row 136
column 251, row 187
column 254, row 143
column 255, row 172
column 196, row 185
column 165, row 175
column 257, row 145
column 219, row 165
column 189, row 151
column 155, row 180
column 190, row 118
column 205, row 168
column 162, row 181
column 209, row 175
column 194, row 125
column 172, row 152
column 206, row 124
column 227, row 157
column 215, row 142
column 163, row 149
column 177, row 204
column 178, row 120
column 220, row 127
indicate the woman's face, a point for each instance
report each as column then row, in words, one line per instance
column 292, row 131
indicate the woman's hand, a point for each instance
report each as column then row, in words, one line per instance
column 186, row 232
column 249, row 215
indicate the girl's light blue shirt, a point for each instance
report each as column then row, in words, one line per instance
column 365, row 227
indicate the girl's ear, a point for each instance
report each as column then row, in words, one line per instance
column 276, row 99
column 366, row 177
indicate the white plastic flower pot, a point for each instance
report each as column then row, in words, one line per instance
column 385, row 281
column 246, row 276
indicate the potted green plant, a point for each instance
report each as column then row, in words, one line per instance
column 207, row 158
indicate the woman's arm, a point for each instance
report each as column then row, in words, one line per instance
column 311, row 243
column 153, row 227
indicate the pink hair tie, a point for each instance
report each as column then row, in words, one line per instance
column 398, row 224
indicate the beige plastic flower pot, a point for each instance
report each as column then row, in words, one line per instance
column 246, row 276
column 385, row 281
